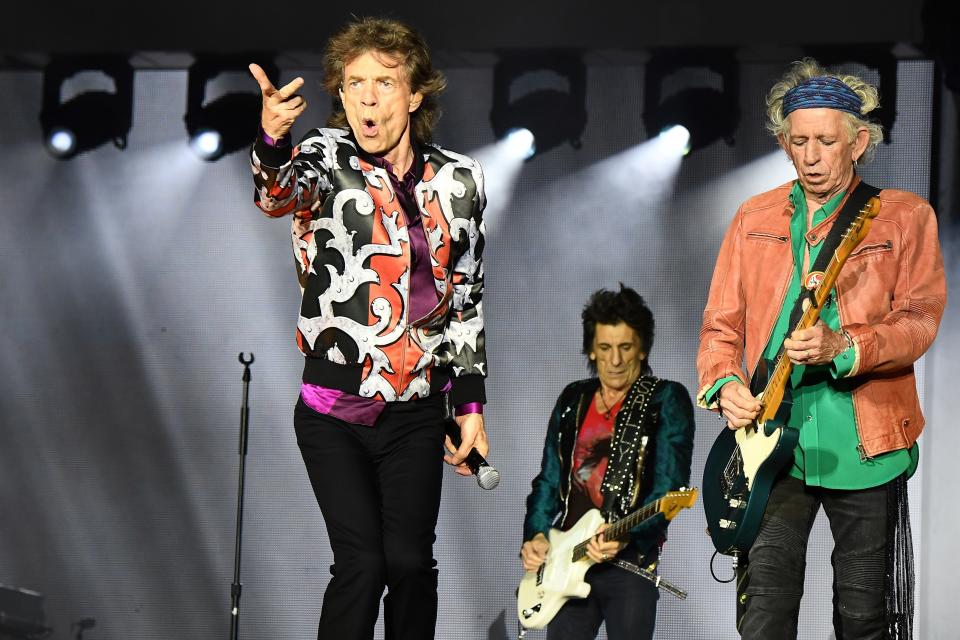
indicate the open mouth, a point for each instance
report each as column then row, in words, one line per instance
column 369, row 127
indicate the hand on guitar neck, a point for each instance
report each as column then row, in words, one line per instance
column 533, row 553
column 816, row 345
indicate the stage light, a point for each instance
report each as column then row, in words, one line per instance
column 207, row 144
column 227, row 123
column 708, row 113
column 677, row 138
column 61, row 142
column 542, row 92
column 521, row 143
column 91, row 117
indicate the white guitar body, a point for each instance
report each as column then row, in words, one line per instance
column 543, row 592
column 755, row 449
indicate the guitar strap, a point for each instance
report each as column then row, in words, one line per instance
column 858, row 198
column 627, row 448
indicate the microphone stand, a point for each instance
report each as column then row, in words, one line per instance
column 235, row 588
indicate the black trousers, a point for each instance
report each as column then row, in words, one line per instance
column 624, row 601
column 378, row 489
column 777, row 561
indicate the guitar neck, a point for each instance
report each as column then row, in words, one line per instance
column 619, row 529
column 784, row 367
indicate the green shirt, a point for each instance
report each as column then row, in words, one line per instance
column 828, row 453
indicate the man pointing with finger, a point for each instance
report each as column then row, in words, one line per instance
column 387, row 240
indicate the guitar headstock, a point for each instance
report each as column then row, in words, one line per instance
column 674, row 501
column 860, row 228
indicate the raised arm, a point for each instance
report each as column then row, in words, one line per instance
column 286, row 179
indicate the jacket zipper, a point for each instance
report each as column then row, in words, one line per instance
column 873, row 248
column 770, row 236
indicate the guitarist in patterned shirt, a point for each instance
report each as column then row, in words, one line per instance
column 854, row 397
column 575, row 474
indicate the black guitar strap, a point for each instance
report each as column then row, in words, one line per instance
column 627, row 449
column 861, row 194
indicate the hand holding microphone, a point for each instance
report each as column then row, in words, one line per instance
column 487, row 476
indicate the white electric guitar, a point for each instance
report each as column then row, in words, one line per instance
column 544, row 591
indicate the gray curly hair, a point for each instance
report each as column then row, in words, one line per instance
column 801, row 71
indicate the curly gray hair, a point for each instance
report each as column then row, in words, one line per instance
column 807, row 68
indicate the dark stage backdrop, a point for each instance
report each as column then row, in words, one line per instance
column 131, row 280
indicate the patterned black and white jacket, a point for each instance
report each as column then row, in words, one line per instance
column 352, row 253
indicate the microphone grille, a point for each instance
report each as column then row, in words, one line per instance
column 488, row 477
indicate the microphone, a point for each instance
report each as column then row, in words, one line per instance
column 487, row 477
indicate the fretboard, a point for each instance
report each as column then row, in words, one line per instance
column 620, row 528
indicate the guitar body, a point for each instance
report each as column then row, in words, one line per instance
column 740, row 470
column 543, row 592
column 734, row 499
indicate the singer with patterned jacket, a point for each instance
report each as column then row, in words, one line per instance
column 387, row 238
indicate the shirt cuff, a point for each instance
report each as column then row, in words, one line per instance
column 708, row 399
column 845, row 362
column 468, row 408
column 280, row 143
column 273, row 156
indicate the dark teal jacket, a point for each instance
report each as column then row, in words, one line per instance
column 667, row 463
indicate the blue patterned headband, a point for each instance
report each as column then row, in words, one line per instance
column 822, row 91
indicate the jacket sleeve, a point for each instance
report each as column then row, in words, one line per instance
column 722, row 331
column 292, row 180
column 543, row 503
column 674, row 453
column 466, row 330
column 917, row 304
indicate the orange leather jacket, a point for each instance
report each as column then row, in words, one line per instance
column 891, row 294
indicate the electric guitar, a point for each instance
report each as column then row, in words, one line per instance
column 543, row 592
column 743, row 463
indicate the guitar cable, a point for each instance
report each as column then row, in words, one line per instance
column 713, row 573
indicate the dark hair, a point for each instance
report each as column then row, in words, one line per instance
column 392, row 38
column 607, row 307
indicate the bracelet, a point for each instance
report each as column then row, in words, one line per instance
column 847, row 337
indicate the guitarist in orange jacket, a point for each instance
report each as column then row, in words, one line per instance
column 854, row 395
column 590, row 419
